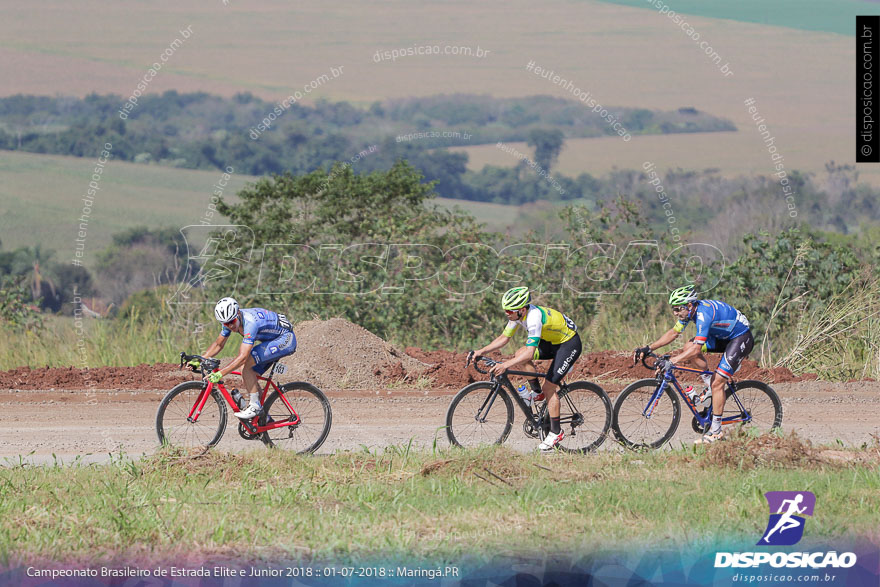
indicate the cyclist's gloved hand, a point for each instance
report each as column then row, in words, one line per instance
column 214, row 377
column 470, row 357
column 195, row 363
column 662, row 364
column 640, row 352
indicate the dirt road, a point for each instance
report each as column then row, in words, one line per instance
column 63, row 423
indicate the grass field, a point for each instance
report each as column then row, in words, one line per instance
column 811, row 15
column 41, row 200
column 441, row 505
column 624, row 55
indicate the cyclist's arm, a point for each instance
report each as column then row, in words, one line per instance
column 244, row 352
column 494, row 345
column 523, row 355
column 690, row 351
column 216, row 346
column 664, row 340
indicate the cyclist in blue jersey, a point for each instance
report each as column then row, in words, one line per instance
column 271, row 330
column 721, row 328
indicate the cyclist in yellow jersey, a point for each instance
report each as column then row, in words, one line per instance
column 550, row 335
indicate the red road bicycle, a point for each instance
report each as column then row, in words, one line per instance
column 295, row 416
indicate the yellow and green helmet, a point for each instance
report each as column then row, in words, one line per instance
column 516, row 298
column 682, row 296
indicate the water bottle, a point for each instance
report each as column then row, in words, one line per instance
column 239, row 399
column 692, row 394
column 705, row 399
column 525, row 393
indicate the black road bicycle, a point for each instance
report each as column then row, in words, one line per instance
column 482, row 412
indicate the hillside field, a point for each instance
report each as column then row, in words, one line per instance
column 625, row 56
column 41, row 200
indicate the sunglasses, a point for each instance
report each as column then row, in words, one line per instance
column 511, row 312
column 679, row 308
column 230, row 323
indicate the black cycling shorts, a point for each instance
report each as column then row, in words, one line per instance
column 564, row 355
column 734, row 349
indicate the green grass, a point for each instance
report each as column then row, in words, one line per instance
column 40, row 200
column 41, row 196
column 444, row 506
column 837, row 16
column 105, row 343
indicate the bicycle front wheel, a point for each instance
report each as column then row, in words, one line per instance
column 172, row 426
column 639, row 425
column 479, row 414
column 758, row 404
column 585, row 416
column 313, row 409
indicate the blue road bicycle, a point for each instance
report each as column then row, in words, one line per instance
column 647, row 412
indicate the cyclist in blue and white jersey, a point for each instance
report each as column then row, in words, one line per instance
column 721, row 328
column 271, row 330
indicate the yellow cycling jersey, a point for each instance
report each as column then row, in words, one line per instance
column 542, row 323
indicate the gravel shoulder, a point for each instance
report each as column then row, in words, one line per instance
column 71, row 424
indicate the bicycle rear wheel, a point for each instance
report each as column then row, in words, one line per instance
column 585, row 416
column 633, row 427
column 172, row 426
column 313, row 409
column 759, row 401
column 474, row 418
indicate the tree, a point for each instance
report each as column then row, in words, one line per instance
column 343, row 244
column 547, row 145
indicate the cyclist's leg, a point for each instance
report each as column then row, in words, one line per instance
column 262, row 356
column 534, row 383
column 566, row 355
column 735, row 351
column 702, row 363
column 251, row 383
column 700, row 359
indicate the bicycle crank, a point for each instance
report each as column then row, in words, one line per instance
column 530, row 430
column 245, row 433
column 701, row 428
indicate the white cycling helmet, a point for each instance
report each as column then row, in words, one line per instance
column 226, row 310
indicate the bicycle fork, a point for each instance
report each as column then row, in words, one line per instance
column 200, row 403
column 483, row 412
column 655, row 399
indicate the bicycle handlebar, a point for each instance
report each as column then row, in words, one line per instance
column 489, row 363
column 657, row 358
column 206, row 364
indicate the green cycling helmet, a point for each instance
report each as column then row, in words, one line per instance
column 516, row 298
column 682, row 296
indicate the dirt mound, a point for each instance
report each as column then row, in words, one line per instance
column 336, row 354
column 743, row 451
column 157, row 376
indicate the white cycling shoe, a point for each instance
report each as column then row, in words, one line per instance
column 249, row 412
column 551, row 441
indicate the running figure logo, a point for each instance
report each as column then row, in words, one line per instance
column 786, row 524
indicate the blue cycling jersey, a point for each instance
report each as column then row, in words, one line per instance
column 261, row 325
column 716, row 320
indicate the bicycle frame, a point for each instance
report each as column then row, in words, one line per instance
column 251, row 428
column 669, row 378
column 504, row 381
